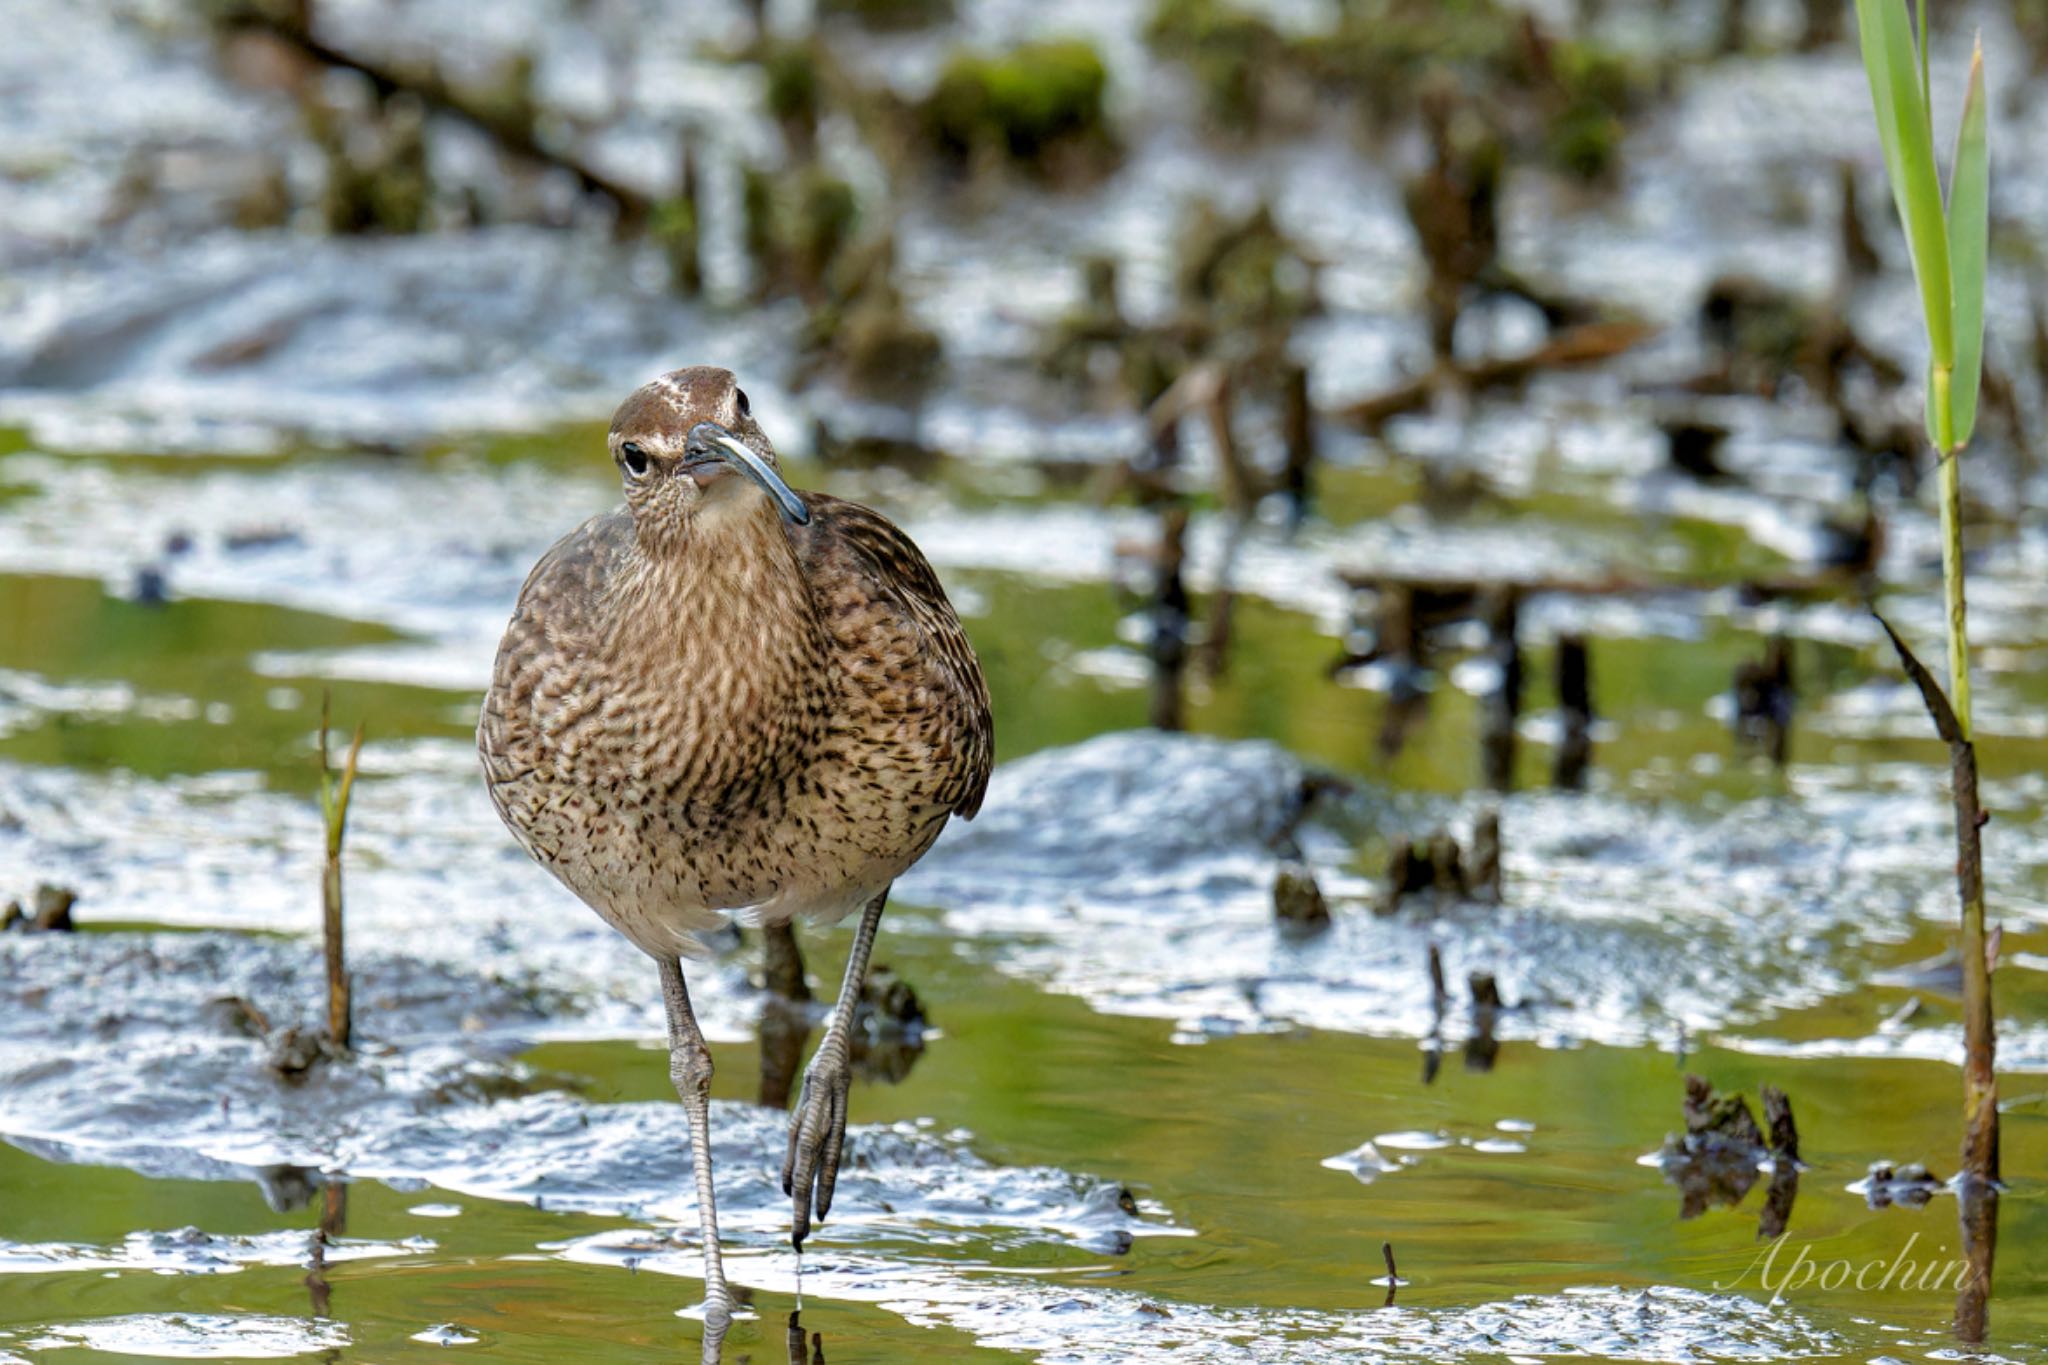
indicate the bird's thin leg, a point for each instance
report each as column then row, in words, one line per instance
column 817, row 1130
column 689, row 1066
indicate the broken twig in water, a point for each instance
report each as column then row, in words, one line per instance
column 1484, row 881
column 1393, row 1275
column 1575, row 700
column 1500, row 608
column 334, row 799
column 1980, row 1042
column 1171, row 609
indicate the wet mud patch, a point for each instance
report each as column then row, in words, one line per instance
column 432, row 879
column 182, row 1336
column 137, row 1051
column 1624, row 921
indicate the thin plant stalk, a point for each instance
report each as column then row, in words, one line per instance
column 334, row 799
column 1949, row 241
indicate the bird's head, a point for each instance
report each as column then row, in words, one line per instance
column 688, row 447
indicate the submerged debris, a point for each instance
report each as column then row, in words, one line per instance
column 888, row 1004
column 1764, row 700
column 293, row 1052
column 889, row 1027
column 1910, row 1185
column 1575, row 700
column 1438, row 862
column 1409, row 869
column 1723, row 1149
column 1482, row 1049
column 52, row 912
column 1501, row 710
column 1298, row 902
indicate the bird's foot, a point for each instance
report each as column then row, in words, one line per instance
column 817, row 1132
column 718, row 1309
column 717, row 1322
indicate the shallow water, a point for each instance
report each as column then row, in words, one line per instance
column 1261, row 1098
column 1146, row 1124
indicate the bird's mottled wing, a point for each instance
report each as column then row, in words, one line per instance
column 535, row 680
column 876, row 592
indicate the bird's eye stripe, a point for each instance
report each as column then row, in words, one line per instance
column 635, row 458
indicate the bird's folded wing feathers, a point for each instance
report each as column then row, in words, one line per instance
column 896, row 572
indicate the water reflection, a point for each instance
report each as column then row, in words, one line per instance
column 796, row 1343
column 888, row 1035
column 1777, row 1213
column 785, row 1029
column 287, row 1187
column 333, row 1223
column 1482, row 1047
column 1723, row 1151
column 804, row 1348
column 1978, row 1201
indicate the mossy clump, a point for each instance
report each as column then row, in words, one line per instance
column 1237, row 58
column 797, row 226
column 1595, row 90
column 1040, row 108
column 793, row 83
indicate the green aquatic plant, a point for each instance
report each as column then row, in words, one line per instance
column 1948, row 243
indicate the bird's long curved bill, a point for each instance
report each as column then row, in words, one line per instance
column 735, row 453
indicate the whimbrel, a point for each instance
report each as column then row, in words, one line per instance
column 730, row 698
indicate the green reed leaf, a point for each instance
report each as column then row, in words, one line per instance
column 1889, row 55
column 1969, row 233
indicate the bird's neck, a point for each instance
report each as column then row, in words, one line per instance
column 719, row 609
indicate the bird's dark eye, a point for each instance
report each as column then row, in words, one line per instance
column 635, row 459
column 740, row 397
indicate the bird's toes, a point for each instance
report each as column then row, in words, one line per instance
column 835, row 1142
column 817, row 1135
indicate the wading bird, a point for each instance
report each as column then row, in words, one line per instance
column 730, row 698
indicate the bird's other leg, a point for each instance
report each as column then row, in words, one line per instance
column 782, row 964
column 817, row 1130
column 689, row 1066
